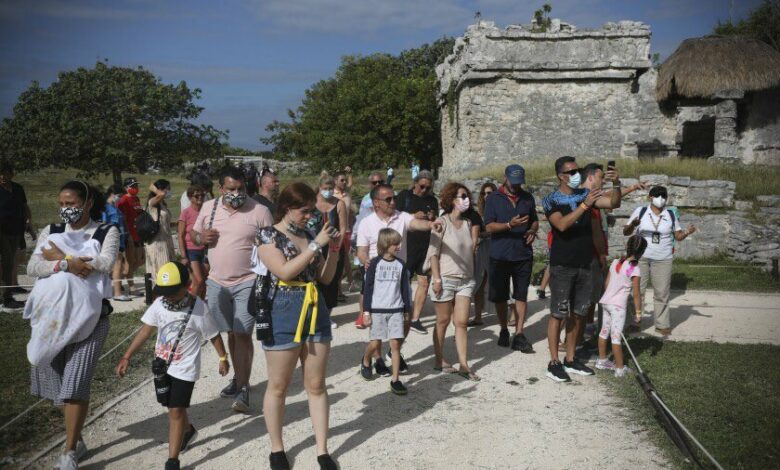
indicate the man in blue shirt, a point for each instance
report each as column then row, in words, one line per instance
column 568, row 210
column 510, row 218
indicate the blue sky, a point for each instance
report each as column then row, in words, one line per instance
column 253, row 59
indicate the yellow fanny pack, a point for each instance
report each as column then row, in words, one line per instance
column 311, row 298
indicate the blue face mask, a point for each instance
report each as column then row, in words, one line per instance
column 575, row 180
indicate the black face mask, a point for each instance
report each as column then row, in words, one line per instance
column 516, row 188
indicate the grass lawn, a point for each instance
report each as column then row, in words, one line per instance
column 721, row 273
column 727, row 395
column 45, row 420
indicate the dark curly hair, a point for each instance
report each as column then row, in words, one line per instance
column 294, row 196
column 448, row 193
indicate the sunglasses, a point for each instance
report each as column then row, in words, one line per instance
column 462, row 196
column 485, row 193
column 388, row 200
column 424, row 188
column 197, row 195
column 377, row 182
column 571, row 172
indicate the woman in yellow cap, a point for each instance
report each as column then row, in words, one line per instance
column 300, row 326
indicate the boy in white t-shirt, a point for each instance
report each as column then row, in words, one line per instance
column 170, row 315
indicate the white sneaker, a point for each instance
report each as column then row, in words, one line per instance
column 122, row 298
column 80, row 451
column 605, row 364
column 622, row 372
column 333, row 325
column 67, row 461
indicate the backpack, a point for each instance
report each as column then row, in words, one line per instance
column 146, row 227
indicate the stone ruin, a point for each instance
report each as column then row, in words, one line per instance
column 521, row 95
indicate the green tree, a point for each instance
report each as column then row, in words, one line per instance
column 763, row 24
column 378, row 109
column 107, row 120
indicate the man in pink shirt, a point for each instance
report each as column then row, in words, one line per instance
column 385, row 216
column 228, row 225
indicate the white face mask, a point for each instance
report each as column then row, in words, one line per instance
column 326, row 193
column 575, row 180
column 463, row 204
column 659, row 202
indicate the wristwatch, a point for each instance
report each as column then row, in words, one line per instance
column 314, row 246
column 63, row 265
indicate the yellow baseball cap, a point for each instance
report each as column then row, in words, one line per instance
column 170, row 278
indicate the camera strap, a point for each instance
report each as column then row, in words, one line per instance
column 181, row 332
column 211, row 222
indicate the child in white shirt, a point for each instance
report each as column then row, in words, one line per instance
column 183, row 325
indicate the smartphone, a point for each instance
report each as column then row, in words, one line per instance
column 611, row 165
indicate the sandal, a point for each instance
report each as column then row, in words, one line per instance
column 475, row 323
column 468, row 375
column 448, row 369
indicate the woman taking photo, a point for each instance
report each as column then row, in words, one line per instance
column 481, row 251
column 658, row 225
column 329, row 210
column 192, row 255
column 451, row 255
column 63, row 372
column 300, row 321
column 160, row 250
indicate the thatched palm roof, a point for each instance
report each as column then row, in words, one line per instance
column 701, row 67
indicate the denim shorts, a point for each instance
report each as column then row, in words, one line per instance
column 571, row 291
column 195, row 255
column 452, row 286
column 286, row 311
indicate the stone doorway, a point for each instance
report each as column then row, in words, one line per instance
column 698, row 138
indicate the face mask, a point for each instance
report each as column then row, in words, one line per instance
column 71, row 215
column 463, row 204
column 326, row 193
column 575, row 180
column 659, row 202
column 132, row 191
column 235, row 200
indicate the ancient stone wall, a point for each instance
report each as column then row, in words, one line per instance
column 760, row 130
column 519, row 95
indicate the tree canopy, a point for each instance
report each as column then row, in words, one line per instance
column 377, row 110
column 107, row 120
column 763, row 24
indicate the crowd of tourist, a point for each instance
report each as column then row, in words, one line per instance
column 252, row 257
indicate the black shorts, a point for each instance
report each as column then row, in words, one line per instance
column 571, row 291
column 415, row 264
column 181, row 393
column 499, row 274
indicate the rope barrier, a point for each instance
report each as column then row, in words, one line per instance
column 31, row 407
column 672, row 424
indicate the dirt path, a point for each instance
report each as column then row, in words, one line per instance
column 514, row 418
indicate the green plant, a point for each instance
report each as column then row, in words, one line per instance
column 542, row 20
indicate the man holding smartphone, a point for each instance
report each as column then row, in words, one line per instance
column 510, row 218
column 569, row 211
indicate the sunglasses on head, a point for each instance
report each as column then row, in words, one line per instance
column 571, row 172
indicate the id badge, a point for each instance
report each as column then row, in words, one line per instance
column 656, row 238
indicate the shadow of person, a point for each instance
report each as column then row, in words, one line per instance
column 681, row 314
column 644, row 344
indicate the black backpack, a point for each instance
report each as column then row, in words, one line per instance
column 146, row 227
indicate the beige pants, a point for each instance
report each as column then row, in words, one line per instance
column 659, row 273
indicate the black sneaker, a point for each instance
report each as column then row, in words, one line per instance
column 381, row 368
column 503, row 339
column 365, row 371
column 13, row 304
column 190, row 436
column 418, row 327
column 555, row 371
column 230, row 391
column 279, row 461
column 542, row 295
column 172, row 464
column 403, row 367
column 398, row 388
column 520, row 343
column 576, row 367
column 326, row 462
column 19, row 290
